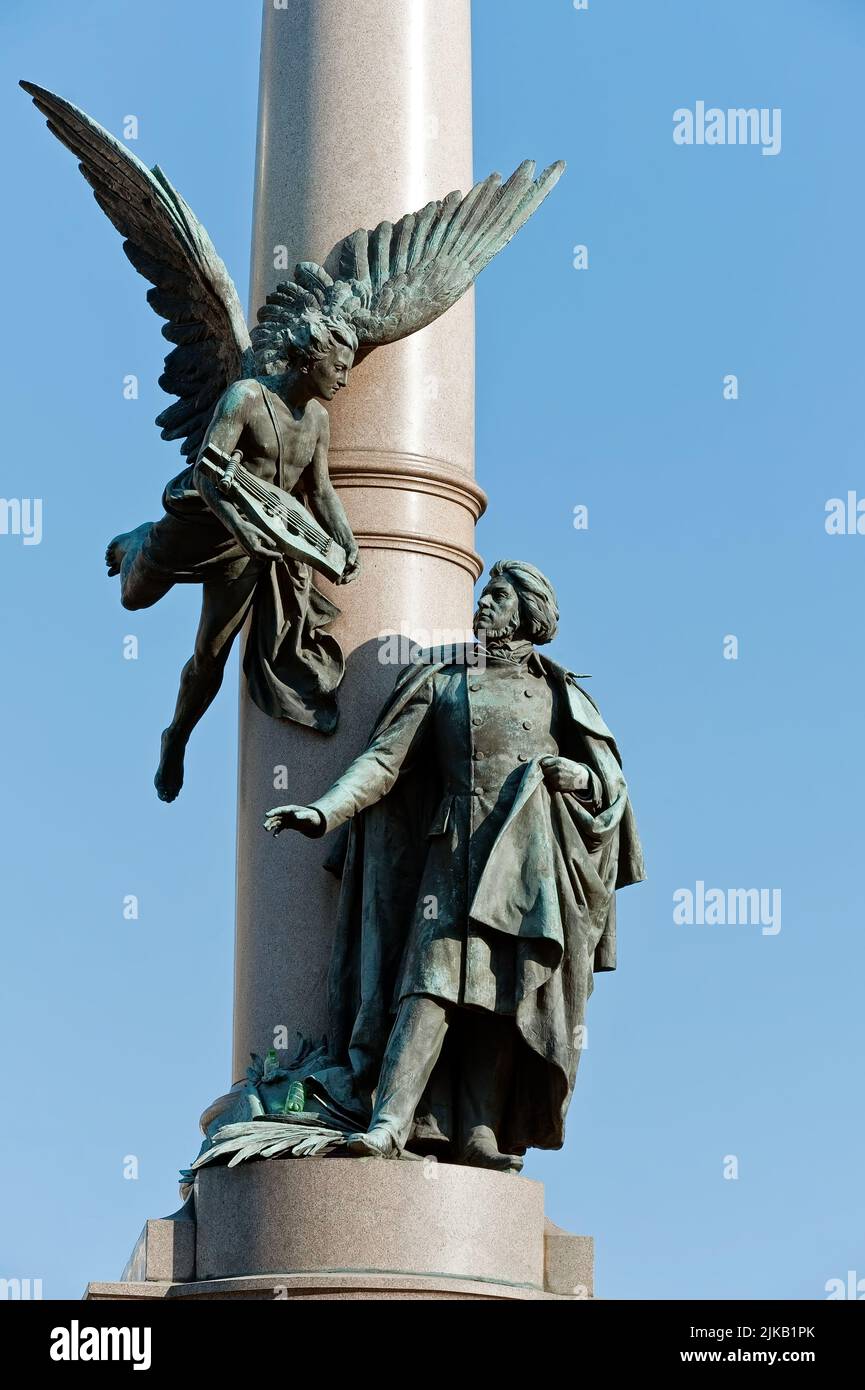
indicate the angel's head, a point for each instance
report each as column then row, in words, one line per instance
column 327, row 367
column 297, row 336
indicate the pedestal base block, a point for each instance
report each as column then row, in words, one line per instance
column 368, row 1229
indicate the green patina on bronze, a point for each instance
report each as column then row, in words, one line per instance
column 485, row 831
column 260, row 395
column 488, row 827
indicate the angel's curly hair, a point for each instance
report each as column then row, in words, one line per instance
column 294, row 330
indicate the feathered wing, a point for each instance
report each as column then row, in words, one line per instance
column 394, row 280
column 168, row 246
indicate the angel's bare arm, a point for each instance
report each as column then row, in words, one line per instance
column 325, row 504
column 224, row 431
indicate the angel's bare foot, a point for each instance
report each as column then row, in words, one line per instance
column 122, row 545
column 169, row 774
column 115, row 552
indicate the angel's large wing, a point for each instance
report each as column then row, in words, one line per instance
column 392, row 281
column 168, row 245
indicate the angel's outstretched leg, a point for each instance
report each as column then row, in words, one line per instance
column 224, row 606
column 140, row 585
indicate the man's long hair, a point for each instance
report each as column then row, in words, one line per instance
column 539, row 611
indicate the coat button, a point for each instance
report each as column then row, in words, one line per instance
column 528, row 694
column 474, row 685
column 523, row 757
column 476, row 719
column 477, row 755
column 527, row 724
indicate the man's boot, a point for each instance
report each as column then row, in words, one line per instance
column 412, row 1051
column 486, row 1069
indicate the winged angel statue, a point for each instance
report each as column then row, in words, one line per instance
column 254, row 512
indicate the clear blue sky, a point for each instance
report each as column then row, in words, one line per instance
column 600, row 387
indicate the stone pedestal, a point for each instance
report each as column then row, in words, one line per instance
column 358, row 1228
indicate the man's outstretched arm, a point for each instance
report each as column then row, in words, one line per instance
column 367, row 779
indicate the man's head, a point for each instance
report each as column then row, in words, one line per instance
column 518, row 602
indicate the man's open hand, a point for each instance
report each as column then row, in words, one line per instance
column 303, row 818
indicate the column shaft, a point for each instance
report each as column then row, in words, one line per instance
column 364, row 114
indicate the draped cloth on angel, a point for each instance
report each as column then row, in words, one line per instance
column 293, row 665
column 548, row 887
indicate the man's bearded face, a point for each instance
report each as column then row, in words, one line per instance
column 498, row 611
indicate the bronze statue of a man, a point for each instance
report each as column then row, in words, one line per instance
column 490, row 826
